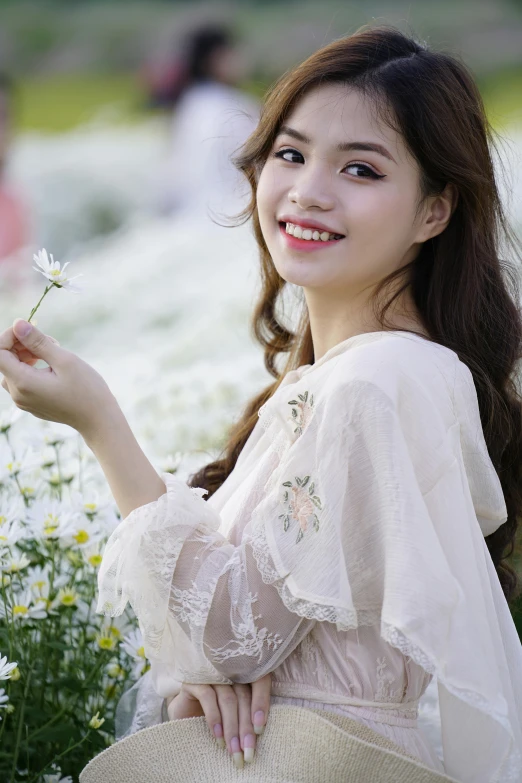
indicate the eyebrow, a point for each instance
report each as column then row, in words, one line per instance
column 347, row 146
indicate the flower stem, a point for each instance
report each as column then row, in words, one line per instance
column 20, row 725
column 33, row 311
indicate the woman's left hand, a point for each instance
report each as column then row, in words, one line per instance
column 68, row 391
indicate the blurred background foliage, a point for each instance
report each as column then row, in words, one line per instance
column 72, row 58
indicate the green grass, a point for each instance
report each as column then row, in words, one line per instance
column 60, row 103
column 502, row 93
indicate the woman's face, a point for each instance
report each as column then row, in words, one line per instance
column 369, row 196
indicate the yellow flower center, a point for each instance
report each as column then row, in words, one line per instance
column 68, row 599
column 81, row 537
column 95, row 560
column 90, row 506
column 51, row 524
column 2, row 520
column 106, row 643
column 15, row 674
column 141, row 652
column 20, row 609
column 3, row 538
column 39, row 585
column 114, row 631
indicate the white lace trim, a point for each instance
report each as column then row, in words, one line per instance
column 345, row 619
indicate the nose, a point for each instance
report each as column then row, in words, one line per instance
column 312, row 187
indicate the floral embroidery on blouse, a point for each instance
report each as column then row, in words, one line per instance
column 302, row 410
column 301, row 503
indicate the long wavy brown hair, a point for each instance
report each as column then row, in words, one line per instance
column 465, row 293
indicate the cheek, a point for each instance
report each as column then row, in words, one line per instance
column 380, row 216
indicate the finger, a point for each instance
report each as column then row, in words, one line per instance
column 37, row 342
column 261, row 690
column 228, row 707
column 7, row 339
column 246, row 729
column 208, row 700
column 184, row 706
column 4, row 385
column 9, row 361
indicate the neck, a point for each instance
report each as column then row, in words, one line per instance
column 332, row 321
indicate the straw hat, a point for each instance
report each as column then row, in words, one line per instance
column 298, row 745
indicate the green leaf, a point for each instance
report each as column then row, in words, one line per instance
column 305, row 396
column 299, row 536
column 287, row 484
column 294, row 413
column 311, row 488
column 305, row 481
column 298, row 481
column 316, row 501
column 315, row 522
column 293, row 402
column 286, row 495
column 286, row 524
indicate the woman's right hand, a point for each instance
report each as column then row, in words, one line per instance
column 232, row 713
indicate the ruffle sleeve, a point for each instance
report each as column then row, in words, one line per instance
column 202, row 606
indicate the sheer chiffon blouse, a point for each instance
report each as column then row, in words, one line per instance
column 345, row 554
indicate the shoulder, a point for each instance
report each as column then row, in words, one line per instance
column 407, row 374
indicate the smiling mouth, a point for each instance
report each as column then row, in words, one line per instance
column 312, row 236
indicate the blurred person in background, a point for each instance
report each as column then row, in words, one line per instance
column 14, row 223
column 211, row 118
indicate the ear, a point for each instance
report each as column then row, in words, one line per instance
column 438, row 213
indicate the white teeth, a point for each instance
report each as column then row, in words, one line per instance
column 309, row 234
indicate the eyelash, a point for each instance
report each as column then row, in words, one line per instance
column 373, row 174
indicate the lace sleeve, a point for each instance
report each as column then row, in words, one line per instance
column 201, row 601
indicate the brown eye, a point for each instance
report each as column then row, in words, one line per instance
column 369, row 173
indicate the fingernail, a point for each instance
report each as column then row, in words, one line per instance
column 21, row 327
column 237, row 754
column 249, row 746
column 218, row 734
column 259, row 722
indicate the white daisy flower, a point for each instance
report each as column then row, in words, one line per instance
column 4, row 698
column 93, row 554
column 37, row 579
column 11, row 533
column 9, row 467
column 56, row 776
column 51, row 519
column 11, row 509
column 6, row 668
column 22, row 606
column 13, row 565
column 50, row 269
column 133, row 645
column 171, row 463
column 8, row 418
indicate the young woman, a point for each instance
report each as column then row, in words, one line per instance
column 353, row 538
